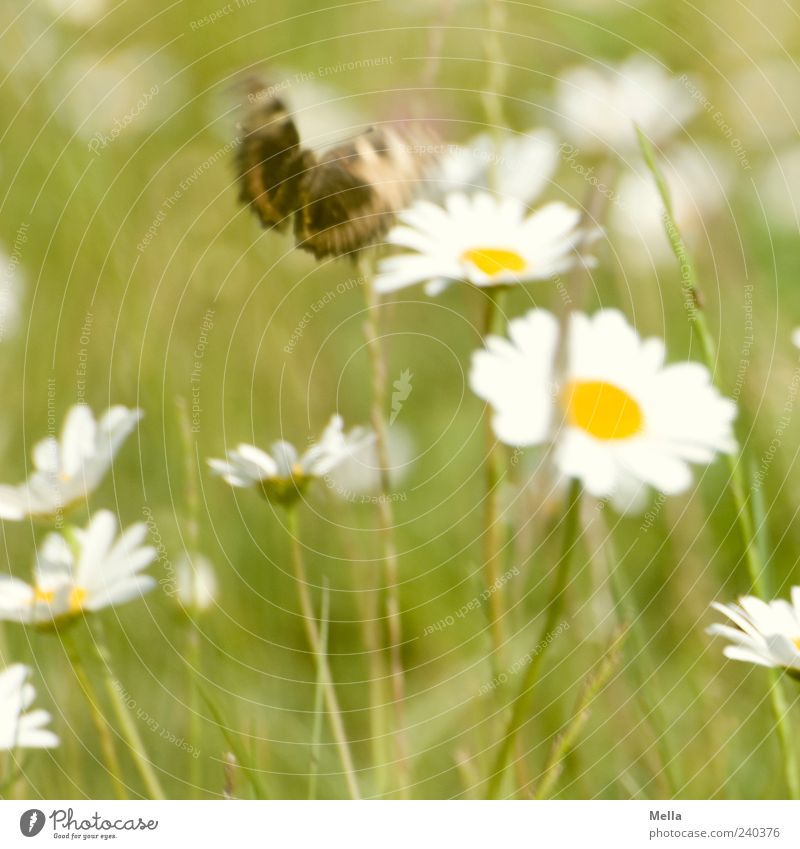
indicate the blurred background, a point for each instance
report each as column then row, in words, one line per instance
column 132, row 276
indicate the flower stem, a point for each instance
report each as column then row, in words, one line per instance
column 595, row 682
column 238, row 755
column 497, row 72
column 315, row 641
column 193, row 633
column 386, row 513
column 319, row 696
column 755, row 565
column 493, row 529
column 101, row 724
column 650, row 702
column 522, row 704
column 125, row 720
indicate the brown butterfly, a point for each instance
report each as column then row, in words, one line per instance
column 337, row 202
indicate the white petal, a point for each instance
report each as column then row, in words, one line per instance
column 77, row 438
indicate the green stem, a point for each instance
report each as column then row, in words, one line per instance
column 193, row 662
column 568, row 738
column 238, row 755
column 315, row 641
column 755, row 565
column 127, row 725
column 386, row 513
column 650, row 707
column 319, row 695
column 498, row 70
column 522, row 704
column 101, row 724
column 493, row 529
column 193, row 637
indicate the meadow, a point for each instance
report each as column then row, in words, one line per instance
column 134, row 276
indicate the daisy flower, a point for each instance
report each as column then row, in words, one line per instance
column 618, row 418
column 85, row 570
column 195, row 582
column 520, row 167
column 767, row 634
column 481, row 240
column 283, row 474
column 66, row 471
column 599, row 107
column 359, row 472
column 18, row 729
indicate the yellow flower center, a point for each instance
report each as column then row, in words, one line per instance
column 77, row 597
column 602, row 409
column 43, row 596
column 494, row 261
column 796, row 642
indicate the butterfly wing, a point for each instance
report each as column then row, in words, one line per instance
column 350, row 195
column 270, row 161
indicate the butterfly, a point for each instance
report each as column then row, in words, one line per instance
column 336, row 202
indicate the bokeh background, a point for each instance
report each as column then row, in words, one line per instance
column 132, row 275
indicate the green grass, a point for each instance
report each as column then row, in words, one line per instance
column 86, row 215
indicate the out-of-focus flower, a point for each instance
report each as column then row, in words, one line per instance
column 697, row 181
column 283, row 474
column 80, row 571
column 519, row 166
column 105, row 97
column 796, row 337
column 777, row 184
column 11, row 292
column 17, row 728
column 481, row 240
column 359, row 473
column 758, row 105
column 599, row 106
column 195, row 582
column 620, row 420
column 767, row 634
column 69, row 469
column 81, row 12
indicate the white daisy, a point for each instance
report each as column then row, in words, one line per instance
column 519, row 166
column 195, row 582
column 68, row 470
column 767, row 634
column 84, row 570
column 18, row 729
column 619, row 419
column 481, row 240
column 359, row 473
column 599, row 106
column 284, row 473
